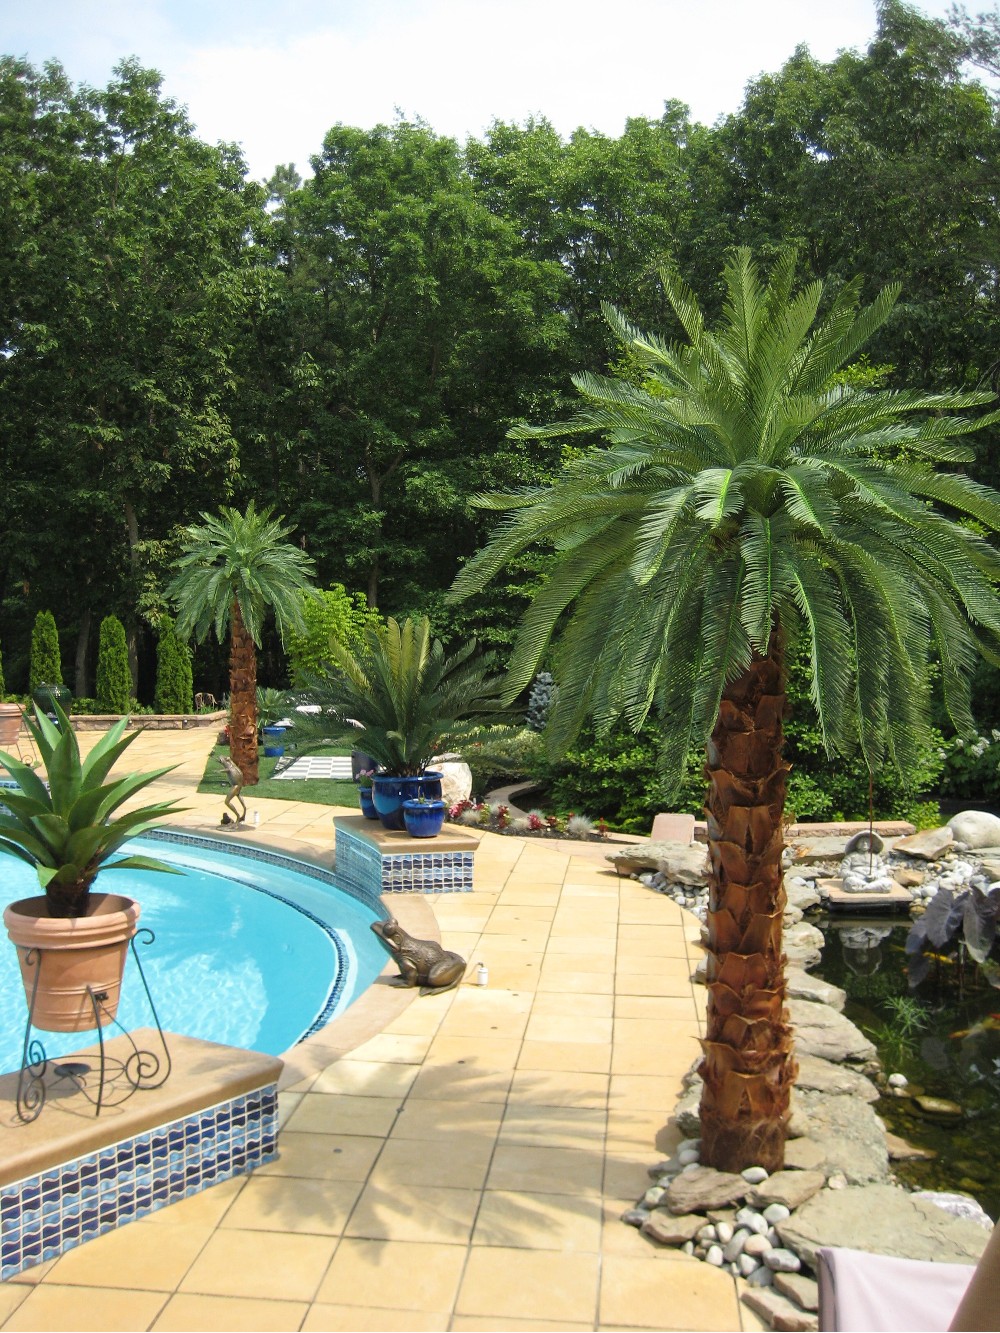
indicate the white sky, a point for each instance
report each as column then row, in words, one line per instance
column 274, row 75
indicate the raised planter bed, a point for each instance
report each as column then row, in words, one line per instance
column 150, row 721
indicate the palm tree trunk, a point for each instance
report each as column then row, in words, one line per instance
column 747, row 1067
column 242, row 697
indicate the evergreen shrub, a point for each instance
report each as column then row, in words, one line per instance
column 46, row 664
column 174, row 677
column 114, row 680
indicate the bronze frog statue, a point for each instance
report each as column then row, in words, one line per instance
column 421, row 963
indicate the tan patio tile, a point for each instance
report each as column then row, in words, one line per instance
column 657, row 941
column 630, row 963
column 436, row 1117
column 529, row 1220
column 513, row 970
column 584, row 1057
column 546, row 1170
column 619, row 1238
column 533, row 894
column 369, row 1077
column 394, row 1274
column 261, row 1264
column 141, row 1255
column 459, row 1161
column 306, row 1207
column 324, row 1318
column 534, row 1087
column 229, row 1314
column 206, row 1208
column 455, row 1081
column 487, row 1052
column 465, row 1323
column 647, row 1130
column 418, row 1019
column 585, row 1007
column 638, row 1294
column 287, row 1102
column 626, row 1173
column 510, row 1283
column 54, row 1307
column 531, row 938
column 568, row 1028
column 555, row 1126
column 323, row 1156
column 531, row 914
column 321, row 1113
column 424, row 1213
column 390, row 1048
column 11, row 1297
column 646, row 1092
column 33, row 1275
column 589, row 982
column 645, row 983
column 651, row 1006
column 655, row 1031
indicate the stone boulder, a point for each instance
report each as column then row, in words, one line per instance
column 792, row 1188
column 801, row 893
column 703, row 1188
column 803, row 945
column 456, row 778
column 848, row 1131
column 801, row 986
column 821, row 1031
column 818, row 1075
column 677, row 861
column 976, row 828
column 881, row 1219
column 927, row 845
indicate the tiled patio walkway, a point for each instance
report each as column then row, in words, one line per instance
column 466, row 1167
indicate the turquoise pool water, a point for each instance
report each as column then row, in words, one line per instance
column 272, row 950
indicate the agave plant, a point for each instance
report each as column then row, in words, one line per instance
column 64, row 827
column 410, row 697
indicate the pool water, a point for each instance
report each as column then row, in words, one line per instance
column 252, row 949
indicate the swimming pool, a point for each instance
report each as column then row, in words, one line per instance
column 272, row 952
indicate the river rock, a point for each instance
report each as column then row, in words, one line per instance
column 975, row 828
column 902, row 1151
column 908, row 878
column 677, row 861
column 939, row 1108
column 824, row 1076
column 456, row 778
column 791, row 1188
column 803, row 1155
column 800, row 893
column 822, row 847
column 927, row 845
column 686, row 1112
column 782, row 1261
column 669, row 1230
column 799, row 1288
column 959, row 1205
column 823, row 1032
column 848, row 1131
column 801, row 986
column 881, row 1219
column 702, row 1187
column 777, row 1310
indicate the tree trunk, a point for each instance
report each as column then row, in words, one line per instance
column 747, row 1067
column 242, row 698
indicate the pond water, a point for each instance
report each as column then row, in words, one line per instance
column 944, row 1037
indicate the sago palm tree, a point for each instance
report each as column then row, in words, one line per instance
column 233, row 569
column 741, row 497
column 411, row 697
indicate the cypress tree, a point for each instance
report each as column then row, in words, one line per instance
column 46, row 664
column 114, row 683
column 174, row 681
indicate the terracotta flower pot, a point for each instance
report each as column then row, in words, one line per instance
column 76, row 952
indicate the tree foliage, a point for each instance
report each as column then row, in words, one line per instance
column 114, row 683
column 174, row 678
column 46, row 662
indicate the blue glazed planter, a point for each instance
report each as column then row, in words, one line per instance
column 367, row 804
column 423, row 819
column 272, row 742
column 389, row 793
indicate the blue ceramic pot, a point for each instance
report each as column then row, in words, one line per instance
column 390, row 792
column 272, row 742
column 367, row 804
column 423, row 819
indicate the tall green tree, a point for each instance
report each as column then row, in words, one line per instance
column 46, row 660
column 738, row 500
column 113, row 690
column 234, row 568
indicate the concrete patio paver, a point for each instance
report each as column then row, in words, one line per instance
column 465, row 1167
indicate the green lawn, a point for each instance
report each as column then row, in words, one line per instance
column 317, row 790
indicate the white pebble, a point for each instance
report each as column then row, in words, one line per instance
column 757, row 1245
column 760, row 1277
column 687, row 1156
column 772, row 1238
column 898, row 1081
column 714, row 1256
column 688, row 1247
column 782, row 1261
column 776, row 1212
column 747, row 1264
column 725, row 1232
column 691, row 1166
column 754, row 1175
column 653, row 1196
column 838, row 1181
column 708, row 1233
column 735, row 1247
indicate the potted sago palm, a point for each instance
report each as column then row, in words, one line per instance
column 72, row 941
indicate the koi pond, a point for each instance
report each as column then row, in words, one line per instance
column 944, row 1037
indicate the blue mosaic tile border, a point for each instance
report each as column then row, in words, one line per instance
column 44, row 1215
column 361, row 864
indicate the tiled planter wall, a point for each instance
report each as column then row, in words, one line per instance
column 362, row 868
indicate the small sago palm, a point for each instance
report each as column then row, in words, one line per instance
column 741, row 497
column 410, row 696
column 233, row 569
